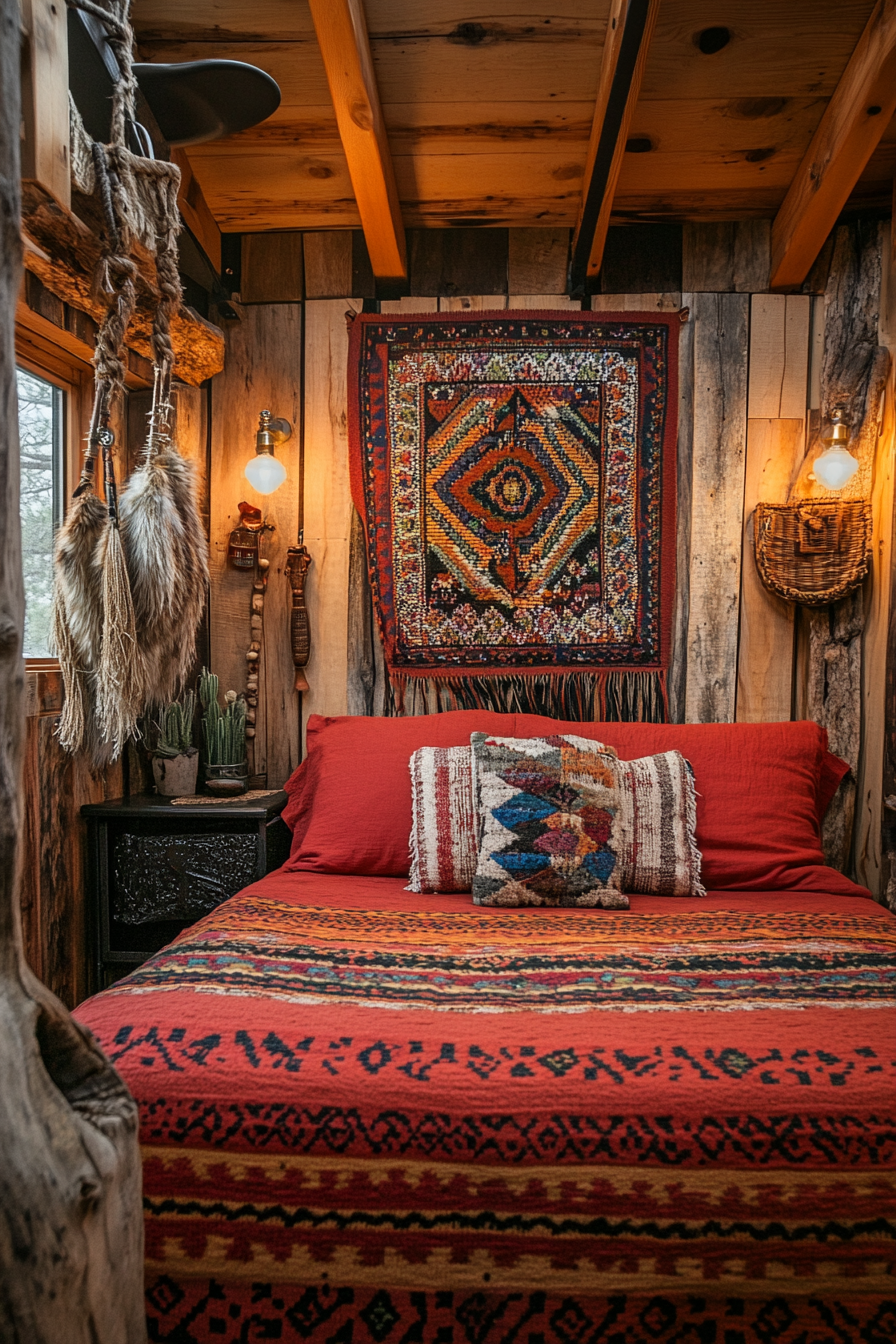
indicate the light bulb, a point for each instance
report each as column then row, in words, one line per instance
column 264, row 473
column 834, row 468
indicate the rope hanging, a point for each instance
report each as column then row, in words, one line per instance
column 130, row 581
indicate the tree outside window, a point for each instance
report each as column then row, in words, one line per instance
column 41, row 410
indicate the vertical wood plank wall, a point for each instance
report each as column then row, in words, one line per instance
column 263, row 371
column 749, row 364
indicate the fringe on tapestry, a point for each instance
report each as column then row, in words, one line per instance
column 579, row 697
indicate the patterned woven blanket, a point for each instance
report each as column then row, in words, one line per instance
column 516, row 477
column 374, row 1116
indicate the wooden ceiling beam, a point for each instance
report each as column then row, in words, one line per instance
column 848, row 134
column 345, row 47
column 629, row 29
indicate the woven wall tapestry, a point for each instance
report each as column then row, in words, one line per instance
column 515, row 474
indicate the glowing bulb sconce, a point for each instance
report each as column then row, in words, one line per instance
column 264, row 472
column 835, row 466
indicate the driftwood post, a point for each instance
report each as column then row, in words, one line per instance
column 71, row 1229
column 853, row 376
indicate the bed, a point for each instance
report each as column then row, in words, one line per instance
column 370, row 1115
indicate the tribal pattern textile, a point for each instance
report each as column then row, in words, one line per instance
column 548, row 809
column 371, row 1116
column 516, row 477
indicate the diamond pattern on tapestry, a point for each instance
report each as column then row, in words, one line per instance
column 516, row 478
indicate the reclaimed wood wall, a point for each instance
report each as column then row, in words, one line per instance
column 749, row 405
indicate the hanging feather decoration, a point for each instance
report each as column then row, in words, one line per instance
column 165, row 543
column 130, row 584
column 77, row 620
column 167, row 556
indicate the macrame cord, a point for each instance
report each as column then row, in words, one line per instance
column 130, row 579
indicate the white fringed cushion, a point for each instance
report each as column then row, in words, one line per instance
column 443, row 832
column 658, row 854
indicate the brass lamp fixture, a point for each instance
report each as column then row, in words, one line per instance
column 264, row 472
column 835, row 466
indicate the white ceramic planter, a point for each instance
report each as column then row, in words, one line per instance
column 175, row 776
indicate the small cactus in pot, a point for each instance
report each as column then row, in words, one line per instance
column 223, row 738
column 175, row 760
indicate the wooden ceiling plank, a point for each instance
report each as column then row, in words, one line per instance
column 629, row 30
column 345, row 47
column 848, row 134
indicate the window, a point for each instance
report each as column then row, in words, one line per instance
column 41, row 435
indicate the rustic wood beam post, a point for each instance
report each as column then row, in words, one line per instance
column 629, row 30
column 71, row 1223
column 849, row 132
column 853, row 376
column 345, row 47
column 45, row 115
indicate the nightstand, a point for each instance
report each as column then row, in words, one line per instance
column 154, row 867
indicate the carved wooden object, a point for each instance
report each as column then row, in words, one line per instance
column 71, row 1226
column 297, row 562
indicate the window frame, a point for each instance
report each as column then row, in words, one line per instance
column 74, row 380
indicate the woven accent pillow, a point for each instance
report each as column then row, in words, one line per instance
column 443, row 830
column 658, row 853
column 548, row 816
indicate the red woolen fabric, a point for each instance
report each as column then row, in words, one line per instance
column 762, row 791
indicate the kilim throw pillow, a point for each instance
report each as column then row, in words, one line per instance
column 444, row 831
column 548, row 816
column 658, row 853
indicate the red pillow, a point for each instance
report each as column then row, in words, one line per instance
column 350, row 801
column 762, row 791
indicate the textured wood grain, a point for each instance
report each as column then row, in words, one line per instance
column 328, row 504
column 848, row 134
column 725, row 257
column 546, row 302
column 854, row 370
column 263, row 370
column 361, row 670
column 45, row 115
column 720, row 412
column 328, row 264
column 871, row 781
column 678, row 663
column 613, row 111
column 767, row 633
column 472, row 303
column 66, row 260
column 537, row 261
column 341, row 28
column 779, row 354
column 195, row 213
column 636, row 303
column 71, row 1234
column 410, row 304
column 272, row 269
column 452, row 262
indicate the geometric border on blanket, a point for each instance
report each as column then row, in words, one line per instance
column 516, row 477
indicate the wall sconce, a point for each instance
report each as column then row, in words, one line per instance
column 835, row 466
column 263, row 471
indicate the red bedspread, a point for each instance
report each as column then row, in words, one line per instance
column 369, row 1115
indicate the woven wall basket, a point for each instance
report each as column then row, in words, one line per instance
column 814, row 552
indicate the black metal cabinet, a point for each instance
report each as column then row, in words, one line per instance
column 154, row 867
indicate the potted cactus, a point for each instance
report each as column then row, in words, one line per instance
column 175, row 760
column 223, row 738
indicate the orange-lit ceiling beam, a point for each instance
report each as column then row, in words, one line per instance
column 849, row 132
column 629, row 30
column 345, row 47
